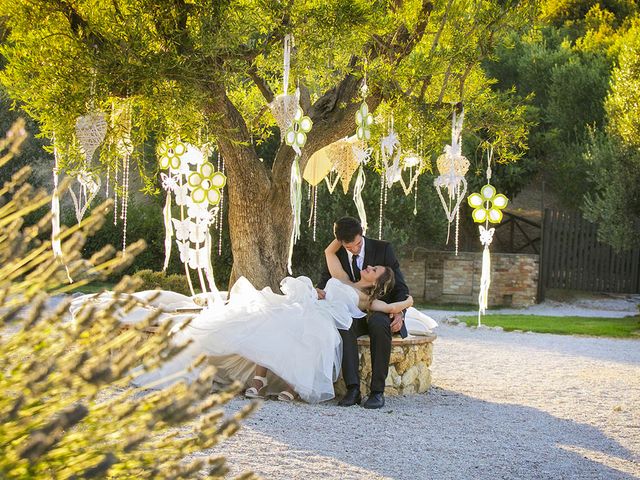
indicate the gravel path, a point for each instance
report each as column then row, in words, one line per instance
column 502, row 406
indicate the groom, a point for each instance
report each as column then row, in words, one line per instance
column 359, row 252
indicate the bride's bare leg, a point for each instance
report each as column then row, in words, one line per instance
column 258, row 383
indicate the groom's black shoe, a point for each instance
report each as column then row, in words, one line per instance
column 375, row 400
column 352, row 397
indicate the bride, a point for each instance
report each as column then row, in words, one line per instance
column 292, row 338
column 375, row 282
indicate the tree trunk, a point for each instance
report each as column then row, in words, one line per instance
column 260, row 219
column 260, row 215
column 260, row 229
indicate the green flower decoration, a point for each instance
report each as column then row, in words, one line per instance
column 364, row 120
column 170, row 152
column 296, row 135
column 487, row 205
column 205, row 184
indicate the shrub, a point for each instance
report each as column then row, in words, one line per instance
column 151, row 280
column 65, row 409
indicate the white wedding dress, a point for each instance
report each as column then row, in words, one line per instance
column 294, row 335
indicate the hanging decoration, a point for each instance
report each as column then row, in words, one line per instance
column 296, row 134
column 382, row 197
column 90, row 132
column 364, row 120
column 413, row 163
column 121, row 123
column 295, row 196
column 487, row 208
column 56, row 244
column 284, row 106
column 362, row 154
column 390, row 156
column 294, row 127
column 196, row 186
column 219, row 219
column 453, row 166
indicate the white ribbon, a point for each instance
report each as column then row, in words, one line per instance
column 168, row 230
column 295, row 195
column 56, row 245
column 358, row 188
column 486, row 237
column 288, row 40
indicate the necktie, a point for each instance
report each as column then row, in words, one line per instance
column 354, row 267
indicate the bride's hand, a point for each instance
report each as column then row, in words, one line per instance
column 333, row 247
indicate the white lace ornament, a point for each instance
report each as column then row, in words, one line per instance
column 412, row 163
column 90, row 132
column 452, row 166
column 284, row 106
column 390, row 150
column 89, row 185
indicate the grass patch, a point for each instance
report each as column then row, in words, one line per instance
column 627, row 327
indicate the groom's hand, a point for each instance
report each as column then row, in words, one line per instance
column 396, row 321
column 321, row 294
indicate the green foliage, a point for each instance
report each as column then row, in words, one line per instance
column 623, row 103
column 170, row 61
column 162, row 59
column 150, row 280
column 614, row 158
column 628, row 327
column 614, row 201
column 564, row 64
column 65, row 411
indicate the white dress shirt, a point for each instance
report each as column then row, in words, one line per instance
column 359, row 260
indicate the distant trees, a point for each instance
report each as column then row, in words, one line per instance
column 579, row 68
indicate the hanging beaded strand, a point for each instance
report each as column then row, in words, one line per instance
column 382, row 177
column 457, row 228
column 315, row 211
column 220, row 160
column 115, row 194
column 125, row 201
column 126, row 167
column 415, row 198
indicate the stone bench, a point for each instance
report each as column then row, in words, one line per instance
column 409, row 364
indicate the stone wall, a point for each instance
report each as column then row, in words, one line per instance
column 443, row 277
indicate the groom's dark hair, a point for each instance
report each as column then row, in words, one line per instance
column 346, row 229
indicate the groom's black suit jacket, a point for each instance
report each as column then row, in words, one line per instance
column 376, row 252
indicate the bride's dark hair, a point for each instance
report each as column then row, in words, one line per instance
column 383, row 285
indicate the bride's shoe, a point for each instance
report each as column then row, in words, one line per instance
column 253, row 392
column 286, row 396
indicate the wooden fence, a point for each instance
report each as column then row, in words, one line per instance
column 573, row 258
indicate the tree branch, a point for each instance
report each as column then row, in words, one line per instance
column 436, row 38
column 333, row 114
column 261, row 83
column 234, row 140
